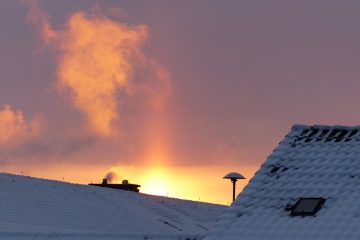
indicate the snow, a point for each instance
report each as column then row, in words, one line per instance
column 234, row 175
column 32, row 208
column 312, row 161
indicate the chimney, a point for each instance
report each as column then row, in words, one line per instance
column 125, row 185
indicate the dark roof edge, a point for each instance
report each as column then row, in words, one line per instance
column 301, row 127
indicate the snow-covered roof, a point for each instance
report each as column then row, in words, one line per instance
column 32, row 208
column 321, row 162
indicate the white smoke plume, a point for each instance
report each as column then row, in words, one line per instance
column 97, row 60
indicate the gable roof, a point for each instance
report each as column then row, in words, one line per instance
column 32, row 208
column 311, row 162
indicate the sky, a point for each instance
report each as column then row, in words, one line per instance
column 171, row 95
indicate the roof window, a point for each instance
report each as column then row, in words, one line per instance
column 307, row 206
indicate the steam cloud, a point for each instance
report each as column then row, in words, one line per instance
column 112, row 177
column 15, row 130
column 97, row 58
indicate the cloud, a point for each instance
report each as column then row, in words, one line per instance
column 40, row 19
column 16, row 130
column 98, row 61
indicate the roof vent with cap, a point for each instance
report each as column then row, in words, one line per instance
column 307, row 206
column 234, row 176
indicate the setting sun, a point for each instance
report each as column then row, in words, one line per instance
column 156, row 182
column 153, row 117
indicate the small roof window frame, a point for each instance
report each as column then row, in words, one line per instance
column 307, row 206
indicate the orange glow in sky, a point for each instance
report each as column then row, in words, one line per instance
column 121, row 114
column 157, row 181
column 165, row 97
column 193, row 183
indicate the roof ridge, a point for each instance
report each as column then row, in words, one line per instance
column 321, row 126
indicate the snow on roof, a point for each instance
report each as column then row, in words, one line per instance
column 234, row 175
column 32, row 208
column 320, row 164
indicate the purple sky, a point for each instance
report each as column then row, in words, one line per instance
column 242, row 73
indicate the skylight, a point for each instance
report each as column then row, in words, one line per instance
column 307, row 206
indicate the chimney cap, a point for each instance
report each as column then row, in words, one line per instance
column 234, row 175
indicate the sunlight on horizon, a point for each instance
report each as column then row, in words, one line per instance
column 192, row 183
column 156, row 182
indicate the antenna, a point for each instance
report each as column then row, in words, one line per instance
column 234, row 176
